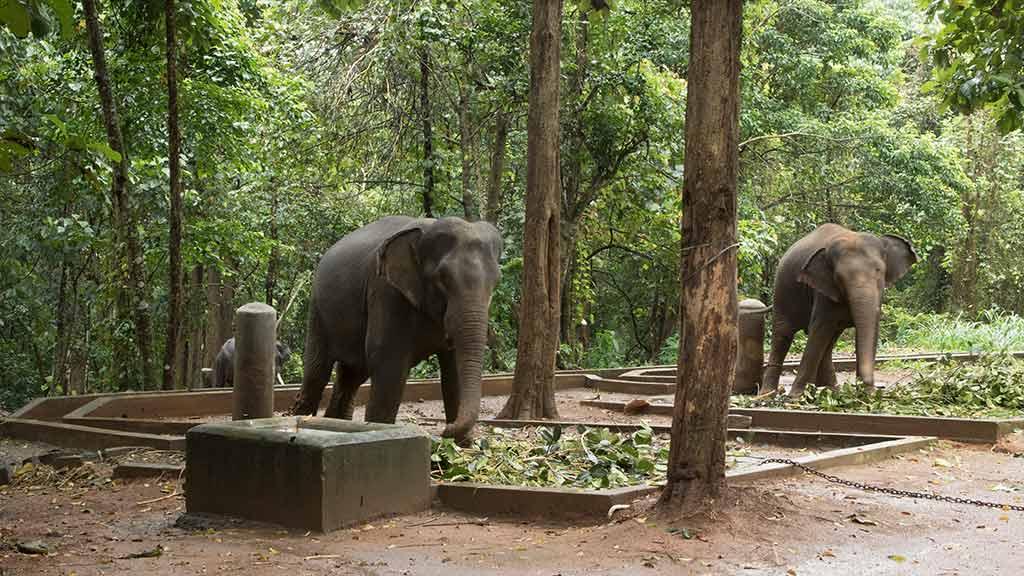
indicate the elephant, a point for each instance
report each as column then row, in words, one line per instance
column 832, row 279
column 388, row 296
column 224, row 363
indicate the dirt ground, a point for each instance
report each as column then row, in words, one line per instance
column 801, row 525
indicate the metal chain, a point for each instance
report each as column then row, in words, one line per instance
column 894, row 491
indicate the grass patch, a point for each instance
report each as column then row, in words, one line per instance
column 579, row 457
column 990, row 387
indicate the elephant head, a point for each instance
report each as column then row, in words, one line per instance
column 854, row 269
column 447, row 269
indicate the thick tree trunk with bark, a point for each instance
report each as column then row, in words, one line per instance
column 707, row 342
column 470, row 205
column 132, row 287
column 428, row 136
column 494, row 180
column 533, row 394
column 174, row 311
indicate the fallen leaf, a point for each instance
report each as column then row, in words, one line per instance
column 897, row 558
column 635, row 406
column 943, row 463
column 34, row 547
column 857, row 519
column 151, row 553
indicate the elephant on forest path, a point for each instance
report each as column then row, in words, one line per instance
column 830, row 280
column 224, row 363
column 391, row 294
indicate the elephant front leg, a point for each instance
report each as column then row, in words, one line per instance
column 819, row 341
column 388, row 385
column 826, row 370
column 449, row 385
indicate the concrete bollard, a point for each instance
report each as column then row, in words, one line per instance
column 750, row 349
column 255, row 345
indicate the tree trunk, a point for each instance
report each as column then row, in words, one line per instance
column 494, row 181
column 533, row 394
column 124, row 212
column 573, row 204
column 174, row 311
column 707, row 341
column 428, row 138
column 194, row 343
column 470, row 206
column 271, row 282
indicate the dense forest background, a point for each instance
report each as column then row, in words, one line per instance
column 301, row 121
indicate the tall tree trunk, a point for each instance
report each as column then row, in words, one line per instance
column 470, row 206
column 194, row 362
column 428, row 137
column 174, row 311
column 132, row 287
column 494, row 181
column 211, row 345
column 271, row 282
column 533, row 394
column 573, row 204
column 707, row 341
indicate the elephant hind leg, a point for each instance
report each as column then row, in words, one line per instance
column 316, row 367
column 346, row 387
column 782, row 339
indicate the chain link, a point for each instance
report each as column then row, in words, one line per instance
column 894, row 491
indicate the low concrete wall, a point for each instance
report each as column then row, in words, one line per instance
column 84, row 437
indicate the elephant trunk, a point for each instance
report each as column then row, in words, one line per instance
column 470, row 339
column 865, row 310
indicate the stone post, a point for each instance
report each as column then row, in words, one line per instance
column 255, row 346
column 750, row 351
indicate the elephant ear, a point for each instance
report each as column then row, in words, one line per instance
column 899, row 257
column 398, row 264
column 818, row 274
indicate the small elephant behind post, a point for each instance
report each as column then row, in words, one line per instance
column 830, row 280
column 224, row 363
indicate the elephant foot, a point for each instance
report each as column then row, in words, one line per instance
column 462, row 438
column 796, row 391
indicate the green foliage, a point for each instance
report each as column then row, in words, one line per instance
column 991, row 387
column 592, row 458
column 993, row 331
column 978, row 57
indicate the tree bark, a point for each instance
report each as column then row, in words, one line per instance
column 707, row 342
column 133, row 285
column 470, row 206
column 494, row 181
column 211, row 345
column 533, row 394
column 573, row 205
column 174, row 312
column 428, row 137
column 271, row 281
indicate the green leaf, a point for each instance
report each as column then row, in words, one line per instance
column 104, row 149
column 66, row 15
column 15, row 15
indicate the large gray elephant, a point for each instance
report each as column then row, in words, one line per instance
column 830, row 280
column 391, row 294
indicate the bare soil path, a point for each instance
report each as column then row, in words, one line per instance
column 797, row 526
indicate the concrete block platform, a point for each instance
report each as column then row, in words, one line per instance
column 306, row 472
